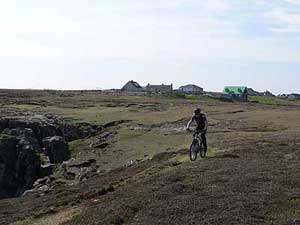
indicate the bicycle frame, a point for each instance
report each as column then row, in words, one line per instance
column 197, row 137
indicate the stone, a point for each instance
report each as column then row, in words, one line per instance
column 30, row 147
column 19, row 165
column 56, row 149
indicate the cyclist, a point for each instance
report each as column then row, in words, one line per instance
column 202, row 125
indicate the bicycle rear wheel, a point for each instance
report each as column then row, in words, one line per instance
column 194, row 150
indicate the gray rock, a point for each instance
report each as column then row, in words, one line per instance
column 19, row 165
column 46, row 169
column 41, row 125
column 40, row 182
column 57, row 149
column 31, row 145
column 25, row 137
column 77, row 131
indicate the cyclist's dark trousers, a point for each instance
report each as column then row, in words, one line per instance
column 204, row 140
column 203, row 137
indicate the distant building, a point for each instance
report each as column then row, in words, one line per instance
column 213, row 94
column 252, row 92
column 282, row 96
column 293, row 96
column 191, row 88
column 132, row 86
column 159, row 88
column 269, row 94
column 236, row 93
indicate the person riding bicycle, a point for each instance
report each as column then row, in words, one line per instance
column 202, row 125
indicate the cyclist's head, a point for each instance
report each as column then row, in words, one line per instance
column 197, row 111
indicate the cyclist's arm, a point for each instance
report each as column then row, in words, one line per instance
column 206, row 123
column 189, row 123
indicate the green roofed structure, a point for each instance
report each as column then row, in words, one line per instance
column 236, row 93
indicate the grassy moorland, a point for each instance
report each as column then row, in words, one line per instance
column 268, row 100
column 251, row 175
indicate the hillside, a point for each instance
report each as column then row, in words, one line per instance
column 129, row 162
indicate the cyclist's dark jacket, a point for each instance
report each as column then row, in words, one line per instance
column 200, row 120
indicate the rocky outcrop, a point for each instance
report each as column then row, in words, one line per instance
column 77, row 131
column 48, row 126
column 25, row 137
column 42, row 126
column 19, row 164
column 31, row 146
column 56, row 149
column 22, row 140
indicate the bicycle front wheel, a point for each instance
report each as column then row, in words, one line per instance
column 194, row 150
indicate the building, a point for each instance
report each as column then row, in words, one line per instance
column 236, row 93
column 132, row 86
column 191, row 88
column 293, row 96
column 252, row 92
column 269, row 94
column 159, row 88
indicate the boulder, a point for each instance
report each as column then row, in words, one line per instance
column 56, row 148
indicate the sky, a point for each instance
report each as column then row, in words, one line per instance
column 89, row 44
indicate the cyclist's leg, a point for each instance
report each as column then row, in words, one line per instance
column 204, row 140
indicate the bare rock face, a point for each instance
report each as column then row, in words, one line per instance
column 19, row 165
column 56, row 148
column 8, row 155
column 31, row 145
column 21, row 145
column 24, row 136
column 77, row 131
column 41, row 125
column 48, row 125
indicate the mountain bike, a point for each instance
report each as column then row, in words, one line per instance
column 197, row 146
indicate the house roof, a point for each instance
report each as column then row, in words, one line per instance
column 294, row 94
column 136, row 84
column 190, row 85
column 238, row 90
column 162, row 87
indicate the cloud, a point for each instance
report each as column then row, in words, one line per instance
column 170, row 40
column 285, row 21
column 141, row 30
